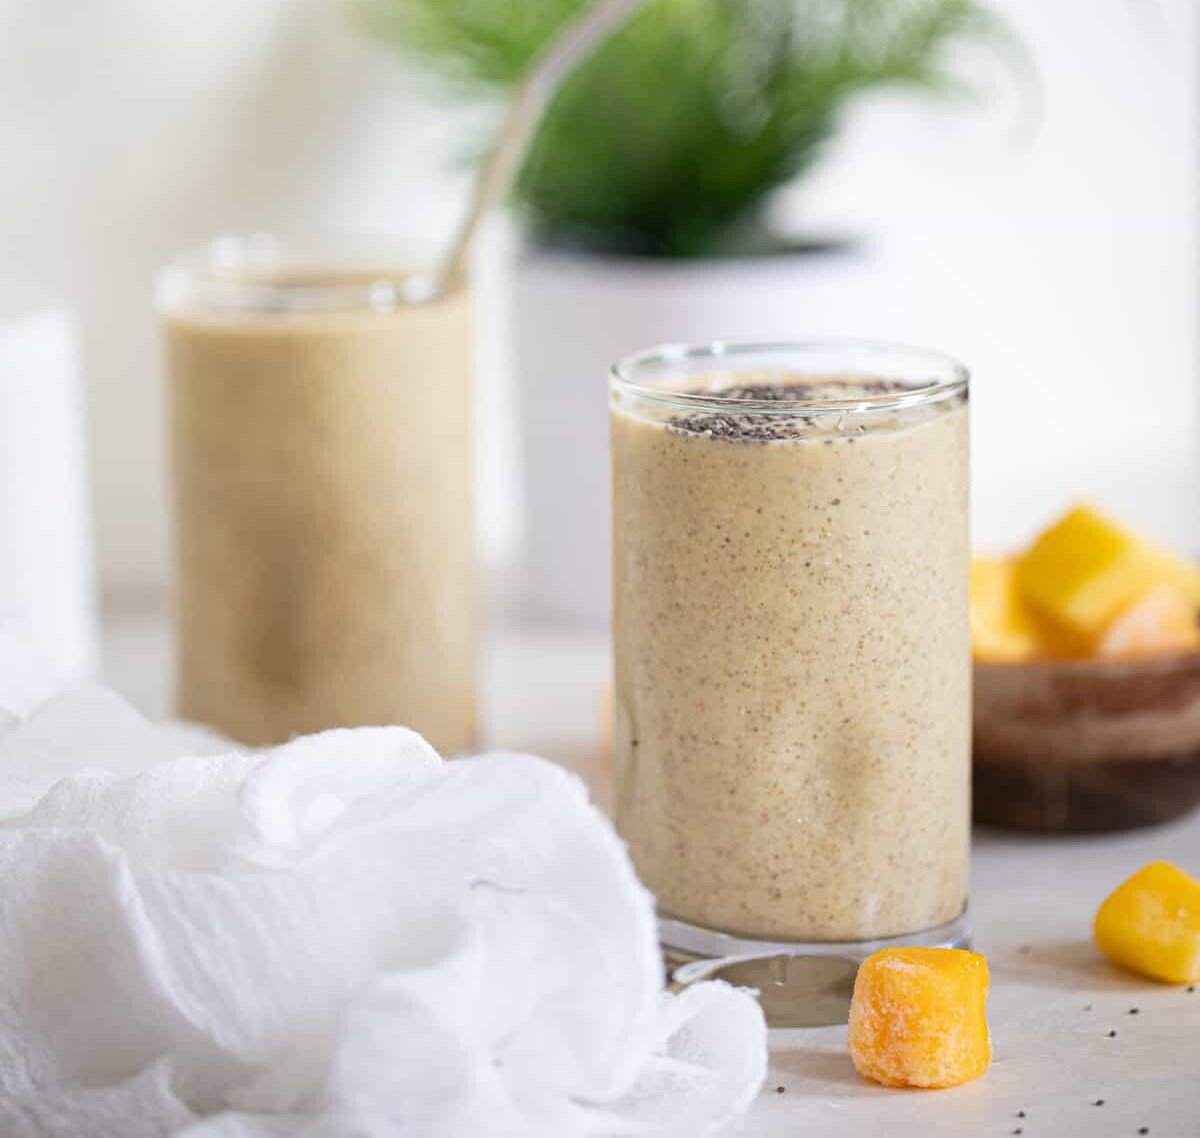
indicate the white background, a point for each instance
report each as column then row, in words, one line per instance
column 1058, row 257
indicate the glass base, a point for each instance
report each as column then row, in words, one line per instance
column 799, row 984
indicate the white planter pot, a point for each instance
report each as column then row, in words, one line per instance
column 575, row 314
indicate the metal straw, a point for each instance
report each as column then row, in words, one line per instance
column 573, row 44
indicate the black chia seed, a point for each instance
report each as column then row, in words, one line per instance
column 779, row 1090
column 1134, row 1011
column 1112, row 1034
column 749, row 426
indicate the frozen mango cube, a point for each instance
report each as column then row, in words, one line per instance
column 1159, row 622
column 918, row 1017
column 1002, row 628
column 1151, row 924
column 1085, row 569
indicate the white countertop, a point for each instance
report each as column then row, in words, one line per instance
column 1054, row 999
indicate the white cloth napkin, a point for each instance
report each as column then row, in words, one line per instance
column 343, row 937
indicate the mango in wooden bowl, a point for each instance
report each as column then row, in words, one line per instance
column 1087, row 681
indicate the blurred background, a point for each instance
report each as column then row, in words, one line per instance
column 1037, row 220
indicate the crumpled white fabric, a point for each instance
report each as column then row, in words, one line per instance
column 343, row 937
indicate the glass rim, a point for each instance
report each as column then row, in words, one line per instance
column 246, row 272
column 729, row 354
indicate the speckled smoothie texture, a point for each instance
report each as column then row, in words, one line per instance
column 793, row 671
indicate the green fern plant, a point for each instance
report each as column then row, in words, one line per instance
column 672, row 135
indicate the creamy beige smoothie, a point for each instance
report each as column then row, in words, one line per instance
column 325, row 561
column 792, row 662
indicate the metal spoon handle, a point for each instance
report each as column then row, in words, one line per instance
column 574, row 43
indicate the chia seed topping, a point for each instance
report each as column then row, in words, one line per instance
column 754, row 426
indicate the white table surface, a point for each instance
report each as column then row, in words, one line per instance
column 1054, row 999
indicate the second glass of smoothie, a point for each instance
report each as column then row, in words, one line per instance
column 321, row 435
column 792, row 662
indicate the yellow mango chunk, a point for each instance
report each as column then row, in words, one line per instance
column 1158, row 623
column 1002, row 629
column 1085, row 569
column 1151, row 924
column 918, row 1018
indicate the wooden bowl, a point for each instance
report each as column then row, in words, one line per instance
column 1079, row 746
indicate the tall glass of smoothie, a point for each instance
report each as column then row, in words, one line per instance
column 321, row 453
column 792, row 662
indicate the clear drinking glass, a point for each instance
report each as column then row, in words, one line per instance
column 324, row 537
column 792, row 739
